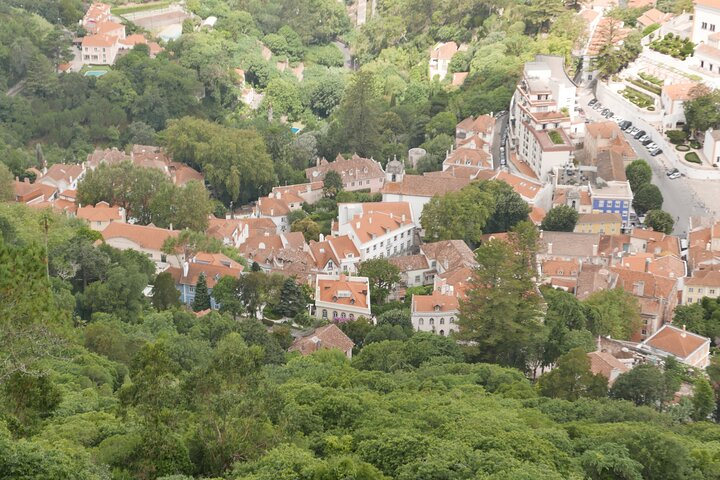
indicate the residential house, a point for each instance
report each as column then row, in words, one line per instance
column 673, row 98
column 357, row 173
column 541, row 113
column 612, row 197
column 609, row 223
column 703, row 244
column 687, row 347
column 231, row 231
column 30, row 193
column 329, row 337
column 277, row 206
column 335, row 255
column 436, row 313
column 473, row 159
column 341, row 297
column 100, row 49
column 593, row 278
column 458, row 78
column 414, row 270
column 418, row 190
column 63, row 176
column 706, row 20
column 440, row 56
column 570, row 246
column 562, row 274
column 483, row 126
column 711, row 147
column 577, row 197
column 308, row 192
column 145, row 239
column 213, row 266
column 97, row 14
column 603, row 363
column 606, row 136
column 703, row 283
column 653, row 17
column 378, row 229
column 264, row 248
column 534, row 193
column 100, row 216
column 448, row 255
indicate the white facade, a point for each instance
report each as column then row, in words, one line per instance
column 377, row 233
column 706, row 21
column 711, row 147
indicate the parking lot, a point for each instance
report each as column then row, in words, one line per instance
column 683, row 197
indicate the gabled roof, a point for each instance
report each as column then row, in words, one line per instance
column 704, row 278
column 481, row 124
column 524, row 187
column 679, row 91
column 333, row 248
column 425, row 186
column 435, row 302
column 101, row 212
column 149, row 237
column 409, row 263
column 108, row 27
column 676, row 341
column 100, row 40
column 444, row 51
column 327, row 337
column 604, row 364
column 354, row 291
column 380, row 218
column 213, row 273
column 351, row 169
column 463, row 156
column 62, row 171
column 451, row 254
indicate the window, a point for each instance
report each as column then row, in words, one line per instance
column 442, row 332
column 700, row 290
column 324, row 314
column 432, row 321
column 334, row 314
column 712, row 291
column 352, row 317
column 421, row 321
column 691, row 289
column 452, row 320
column 712, row 28
column 644, row 332
column 342, row 315
column 417, row 278
column 442, row 321
column 704, row 25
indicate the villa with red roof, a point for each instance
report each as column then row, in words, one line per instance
column 329, row 337
column 100, row 216
column 146, row 239
column 687, row 347
column 341, row 297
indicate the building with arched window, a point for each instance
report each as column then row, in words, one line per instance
column 342, row 297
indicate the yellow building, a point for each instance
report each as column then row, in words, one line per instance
column 607, row 223
column 703, row 283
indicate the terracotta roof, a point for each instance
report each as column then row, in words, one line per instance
column 645, row 284
column 217, row 259
column 707, row 51
column 458, row 278
column 101, row 212
column 182, row 174
column 410, row 262
column 525, row 188
column 213, row 273
column 708, row 3
column 703, row 278
column 260, row 226
column 299, row 188
column 606, row 130
column 435, row 302
column 272, row 207
column 108, row 27
column 109, row 155
column 380, row 218
column 444, row 51
column 327, row 337
column 134, row 39
column 26, row 191
column 609, row 31
column 100, row 40
column 422, row 186
column 676, row 341
column 469, row 157
column 333, row 248
column 458, row 78
column 537, row 215
column 604, row 364
column 679, row 91
column 593, row 278
column 355, row 168
column 599, row 218
column 222, row 228
column 560, row 268
column 149, row 237
column 569, row 244
column 451, row 254
column 343, row 291
column 654, row 16
column 481, row 124
column 62, row 171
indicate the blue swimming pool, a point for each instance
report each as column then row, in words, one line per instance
column 95, row 73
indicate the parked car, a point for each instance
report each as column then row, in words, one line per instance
column 651, row 146
column 624, row 125
column 633, row 131
column 646, row 141
column 670, row 172
column 618, row 120
column 640, row 134
column 655, row 153
column 628, row 127
column 675, row 175
column 592, row 102
column 609, row 115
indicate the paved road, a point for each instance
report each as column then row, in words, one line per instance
column 347, row 58
column 15, row 89
column 500, row 126
column 679, row 197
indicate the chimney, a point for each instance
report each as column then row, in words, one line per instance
column 647, row 264
column 171, row 227
column 357, row 224
column 272, row 212
column 684, row 332
column 595, row 250
column 321, row 238
column 370, row 220
column 186, row 268
column 403, row 218
column 549, row 247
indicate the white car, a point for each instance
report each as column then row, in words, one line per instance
column 675, row 175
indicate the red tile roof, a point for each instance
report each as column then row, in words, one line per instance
column 676, row 341
column 101, row 212
column 345, row 292
column 149, row 237
column 327, row 337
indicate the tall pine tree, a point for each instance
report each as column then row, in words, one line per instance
column 202, row 295
column 292, row 299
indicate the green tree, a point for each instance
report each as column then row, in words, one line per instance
column 638, row 173
column 701, row 110
column 383, row 276
column 610, row 461
column 292, row 298
column 164, row 293
column 572, row 379
column 309, row 228
column 613, row 312
column 226, row 292
column 6, row 184
column 332, row 184
column 193, row 207
column 703, row 400
column 501, row 314
column 660, row 221
column 458, row 215
column 645, row 384
column 356, row 120
column 560, row 219
column 202, row 295
column 647, row 198
column 509, row 209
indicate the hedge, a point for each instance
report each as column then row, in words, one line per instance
column 692, row 157
column 682, row 148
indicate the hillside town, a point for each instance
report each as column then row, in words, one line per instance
column 570, row 233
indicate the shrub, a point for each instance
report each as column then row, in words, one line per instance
column 651, row 78
column 677, row 137
column 646, row 86
column 695, row 144
column 692, row 157
column 555, row 137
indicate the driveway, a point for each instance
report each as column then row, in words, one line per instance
column 682, row 196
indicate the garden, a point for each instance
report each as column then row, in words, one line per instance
column 639, row 98
column 674, row 46
column 692, row 157
column 683, row 143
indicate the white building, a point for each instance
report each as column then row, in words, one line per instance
column 706, row 20
column 440, row 56
column 342, row 297
column 542, row 111
column 711, row 147
column 378, row 230
column 673, row 98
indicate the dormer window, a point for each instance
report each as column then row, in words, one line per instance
column 352, row 301
column 334, row 298
column 437, row 308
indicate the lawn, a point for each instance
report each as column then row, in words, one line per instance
column 674, row 46
column 650, row 87
column 651, row 78
column 639, row 98
column 692, row 157
column 139, row 8
column 555, row 137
